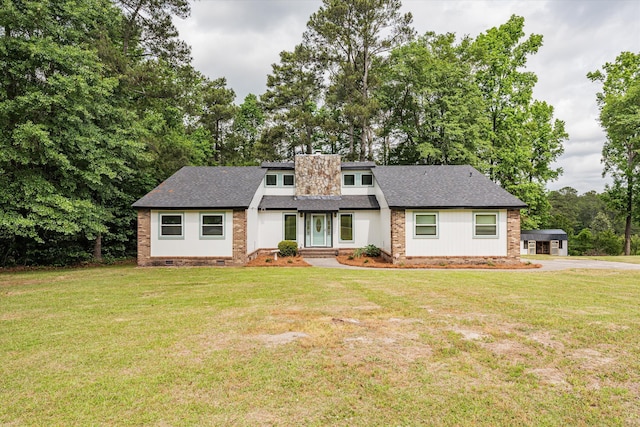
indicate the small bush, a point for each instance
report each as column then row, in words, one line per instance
column 372, row 251
column 288, row 248
column 358, row 252
column 268, row 260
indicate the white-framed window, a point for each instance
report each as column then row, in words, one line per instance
column 271, row 180
column 290, row 226
column 212, row 225
column 425, row 224
column 485, row 224
column 346, row 227
column 288, row 180
column 171, row 225
column 357, row 179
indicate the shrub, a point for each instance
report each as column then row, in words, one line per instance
column 372, row 251
column 358, row 252
column 288, row 248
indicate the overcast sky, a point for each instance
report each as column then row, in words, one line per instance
column 240, row 39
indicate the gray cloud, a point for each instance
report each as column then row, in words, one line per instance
column 240, row 39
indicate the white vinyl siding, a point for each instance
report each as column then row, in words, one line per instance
column 191, row 243
column 456, row 236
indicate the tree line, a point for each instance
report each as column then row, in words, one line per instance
column 99, row 103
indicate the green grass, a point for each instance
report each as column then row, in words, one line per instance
column 202, row 346
column 631, row 259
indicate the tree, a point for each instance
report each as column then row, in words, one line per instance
column 435, row 108
column 67, row 145
column 349, row 37
column 148, row 29
column 245, row 133
column 216, row 113
column 524, row 138
column 619, row 104
column 293, row 93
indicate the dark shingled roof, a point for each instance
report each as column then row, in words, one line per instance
column 358, row 165
column 343, row 165
column 278, row 165
column 318, row 204
column 441, row 187
column 556, row 234
column 206, row 187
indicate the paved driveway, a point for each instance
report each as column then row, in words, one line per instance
column 547, row 265
column 569, row 263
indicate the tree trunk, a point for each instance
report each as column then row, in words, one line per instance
column 627, row 228
column 97, row 248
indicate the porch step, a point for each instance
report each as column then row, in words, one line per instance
column 318, row 252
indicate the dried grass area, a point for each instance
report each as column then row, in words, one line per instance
column 379, row 262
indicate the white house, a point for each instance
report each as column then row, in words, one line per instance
column 415, row 214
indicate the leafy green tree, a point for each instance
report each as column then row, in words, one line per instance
column 349, row 38
column 525, row 139
column 216, row 113
column 436, row 109
column 67, row 147
column 148, row 30
column 242, row 148
column 619, row 104
column 293, row 93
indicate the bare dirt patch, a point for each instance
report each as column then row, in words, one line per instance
column 550, row 376
column 280, row 339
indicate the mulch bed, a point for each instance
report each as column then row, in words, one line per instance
column 378, row 262
column 282, row 261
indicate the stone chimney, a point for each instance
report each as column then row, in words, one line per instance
column 318, row 175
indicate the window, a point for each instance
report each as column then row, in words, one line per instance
column 485, row 224
column 271, row 180
column 290, row 227
column 367, row 180
column 171, row 226
column 287, row 180
column 346, row 227
column 212, row 225
column 426, row 224
column 349, row 180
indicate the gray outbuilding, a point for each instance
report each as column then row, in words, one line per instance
column 544, row 242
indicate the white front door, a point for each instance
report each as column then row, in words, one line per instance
column 532, row 247
column 318, row 230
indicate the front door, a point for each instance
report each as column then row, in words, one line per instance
column 318, row 230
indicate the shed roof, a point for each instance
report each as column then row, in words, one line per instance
column 551, row 234
column 448, row 187
column 206, row 187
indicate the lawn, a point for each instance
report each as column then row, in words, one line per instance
column 630, row 259
column 290, row 346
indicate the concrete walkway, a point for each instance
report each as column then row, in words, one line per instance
column 547, row 265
